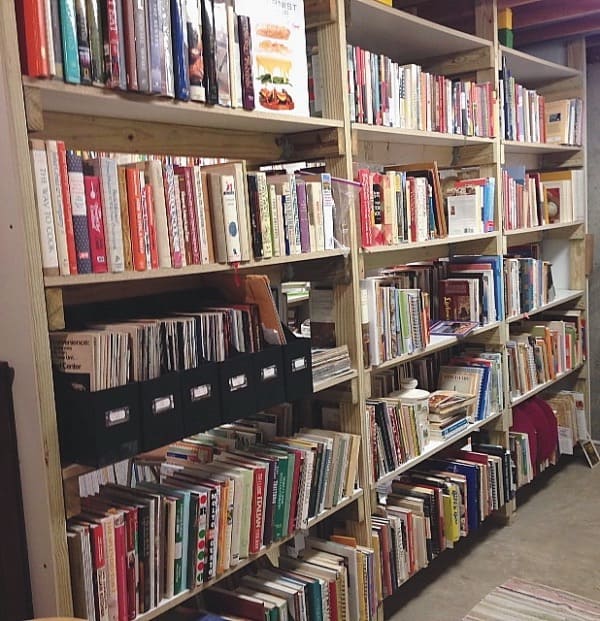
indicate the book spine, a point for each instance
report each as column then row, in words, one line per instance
column 154, row 172
column 95, row 223
column 211, row 536
column 232, row 234
column 53, row 23
column 79, row 211
column 136, row 225
column 100, row 574
column 201, row 216
column 221, row 53
column 175, row 233
column 83, row 43
column 265, row 216
column 274, row 219
column 113, row 230
column 121, row 49
column 58, row 213
column 254, row 203
column 31, row 17
column 178, row 578
column 208, row 44
column 328, row 208
column 295, row 215
column 247, row 81
column 258, row 513
column 145, row 221
column 94, row 22
column 130, row 53
column 141, row 45
column 303, row 218
column 195, row 50
column 180, row 50
column 132, row 567
column 44, row 205
column 233, row 52
column 150, row 209
column 70, row 51
column 112, row 60
column 167, row 86
column 192, row 213
column 124, row 209
column 121, row 566
column 200, row 552
column 68, row 215
column 155, row 39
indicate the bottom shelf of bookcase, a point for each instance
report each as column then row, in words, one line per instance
column 168, row 604
column 435, row 447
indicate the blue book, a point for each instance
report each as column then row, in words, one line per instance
column 180, row 50
column 488, row 205
column 70, row 48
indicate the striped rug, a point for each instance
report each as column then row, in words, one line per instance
column 518, row 600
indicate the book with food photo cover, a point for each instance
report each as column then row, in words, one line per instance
column 453, row 328
column 280, row 71
column 448, row 401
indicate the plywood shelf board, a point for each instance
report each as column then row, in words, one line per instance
column 534, row 72
column 335, row 380
column 442, row 241
column 515, row 147
column 544, row 227
column 397, row 135
column 402, row 36
column 562, row 297
column 95, row 101
column 544, row 386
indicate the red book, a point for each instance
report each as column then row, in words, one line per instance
column 111, row 45
column 121, row 563
column 186, row 185
column 455, row 300
column 365, row 211
column 93, row 201
column 33, row 45
column 66, row 196
column 136, row 223
column 100, row 577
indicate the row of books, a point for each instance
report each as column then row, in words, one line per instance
column 328, row 363
column 110, row 213
column 383, row 92
column 107, row 355
column 409, row 204
column 430, row 508
column 539, row 351
column 134, row 547
column 236, row 54
column 398, row 432
column 528, row 284
column 333, row 579
column 532, row 198
column 526, row 116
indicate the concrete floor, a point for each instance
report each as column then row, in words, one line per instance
column 553, row 539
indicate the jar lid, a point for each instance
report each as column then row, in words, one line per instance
column 410, row 391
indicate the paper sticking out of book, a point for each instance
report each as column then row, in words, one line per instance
column 453, row 328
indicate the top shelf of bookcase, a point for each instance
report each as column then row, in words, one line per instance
column 534, row 72
column 405, row 37
column 55, row 96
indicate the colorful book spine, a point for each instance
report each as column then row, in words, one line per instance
column 93, row 201
column 153, row 16
column 180, row 50
column 94, row 23
column 112, row 58
column 83, row 43
column 31, row 16
column 136, row 225
column 79, row 211
column 70, row 50
column 131, row 73
column 175, row 232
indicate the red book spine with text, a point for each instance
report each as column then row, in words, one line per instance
column 93, row 201
column 100, row 578
column 111, row 45
column 136, row 224
column 151, row 227
column 298, row 463
column 33, row 44
column 68, row 215
column 190, row 209
column 365, row 211
column 121, row 563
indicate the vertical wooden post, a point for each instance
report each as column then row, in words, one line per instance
column 25, row 344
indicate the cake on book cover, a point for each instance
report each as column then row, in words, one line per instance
column 280, row 72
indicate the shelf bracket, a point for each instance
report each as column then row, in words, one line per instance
column 313, row 145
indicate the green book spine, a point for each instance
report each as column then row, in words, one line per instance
column 278, row 531
column 178, row 579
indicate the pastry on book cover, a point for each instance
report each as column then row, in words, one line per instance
column 280, row 72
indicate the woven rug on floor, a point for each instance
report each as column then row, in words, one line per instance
column 518, row 600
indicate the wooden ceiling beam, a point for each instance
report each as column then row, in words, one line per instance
column 559, row 30
column 511, row 4
column 551, row 11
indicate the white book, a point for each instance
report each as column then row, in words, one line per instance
column 201, row 216
column 56, row 193
column 111, row 207
column 235, row 67
column 275, row 221
column 155, row 176
column 315, row 215
column 44, row 206
column 464, row 214
column 230, row 218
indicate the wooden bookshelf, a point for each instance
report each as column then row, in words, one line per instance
column 93, row 118
column 541, row 387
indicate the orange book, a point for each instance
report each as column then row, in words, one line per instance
column 136, row 224
column 33, row 45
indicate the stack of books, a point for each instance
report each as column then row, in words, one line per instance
column 448, row 413
column 330, row 362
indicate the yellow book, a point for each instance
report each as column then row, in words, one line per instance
column 505, row 19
